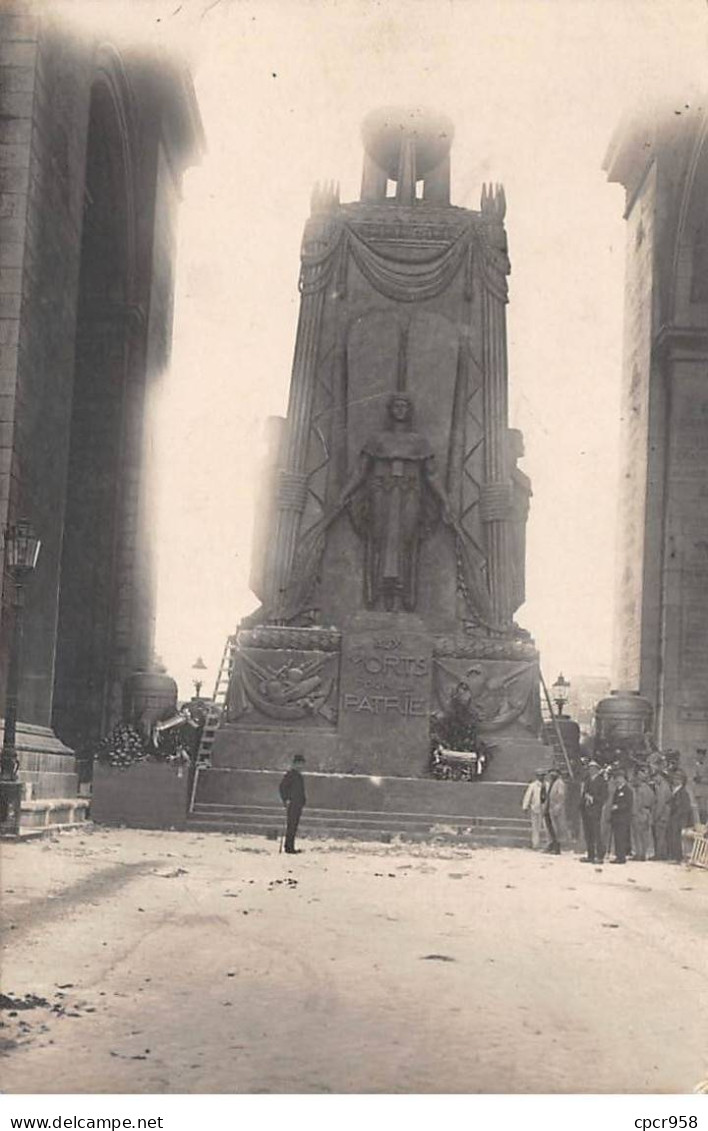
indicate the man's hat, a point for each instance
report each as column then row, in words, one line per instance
column 593, row 765
column 299, row 758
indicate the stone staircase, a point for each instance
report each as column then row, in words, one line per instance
column 382, row 827
column 45, row 814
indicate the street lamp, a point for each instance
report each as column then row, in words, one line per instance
column 198, row 680
column 561, row 690
column 21, row 553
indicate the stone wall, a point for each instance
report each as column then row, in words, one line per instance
column 18, row 62
column 84, row 317
column 662, row 606
column 633, row 487
column 45, row 360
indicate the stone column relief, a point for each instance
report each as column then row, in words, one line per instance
column 316, row 267
column 496, row 498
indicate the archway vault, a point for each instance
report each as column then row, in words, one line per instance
column 96, row 645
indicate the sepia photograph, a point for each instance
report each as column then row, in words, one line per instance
column 354, row 507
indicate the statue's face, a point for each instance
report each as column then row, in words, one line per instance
column 400, row 409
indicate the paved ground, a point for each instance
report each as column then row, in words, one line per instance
column 184, row 963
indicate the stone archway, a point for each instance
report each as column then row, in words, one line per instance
column 87, row 669
column 662, row 612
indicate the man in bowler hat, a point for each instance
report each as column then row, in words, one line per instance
column 292, row 794
column 681, row 815
column 621, row 816
column 593, row 795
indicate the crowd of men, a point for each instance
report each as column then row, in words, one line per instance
column 641, row 815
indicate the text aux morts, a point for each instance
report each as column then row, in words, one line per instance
column 380, row 677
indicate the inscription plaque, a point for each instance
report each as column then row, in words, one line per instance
column 385, row 690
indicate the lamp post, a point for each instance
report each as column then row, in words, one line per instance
column 198, row 680
column 561, row 691
column 21, row 553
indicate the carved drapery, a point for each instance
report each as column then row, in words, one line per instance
column 411, row 280
column 410, row 275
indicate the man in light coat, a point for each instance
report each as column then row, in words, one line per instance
column 533, row 805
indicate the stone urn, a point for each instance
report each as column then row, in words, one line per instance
column 623, row 722
column 149, row 696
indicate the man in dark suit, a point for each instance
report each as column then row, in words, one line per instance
column 662, row 806
column 621, row 817
column 681, row 816
column 292, row 794
column 593, row 795
column 642, row 815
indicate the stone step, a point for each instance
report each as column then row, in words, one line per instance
column 52, row 814
column 349, row 792
column 382, row 834
column 356, row 822
column 215, row 809
column 269, row 821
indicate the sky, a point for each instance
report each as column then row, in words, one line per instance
column 535, row 90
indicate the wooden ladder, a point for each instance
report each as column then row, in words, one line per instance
column 218, row 700
column 550, row 727
column 215, row 713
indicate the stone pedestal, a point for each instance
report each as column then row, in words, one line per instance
column 384, row 694
column 46, row 790
column 148, row 795
column 47, row 767
column 10, row 807
column 360, row 701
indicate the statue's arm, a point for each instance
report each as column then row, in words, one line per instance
column 356, row 480
column 433, row 480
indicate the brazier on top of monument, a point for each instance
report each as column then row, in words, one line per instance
column 390, row 559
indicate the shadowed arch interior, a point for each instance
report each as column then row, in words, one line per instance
column 86, row 639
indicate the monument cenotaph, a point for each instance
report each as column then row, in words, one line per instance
column 390, row 559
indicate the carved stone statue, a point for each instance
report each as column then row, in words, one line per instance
column 395, row 500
